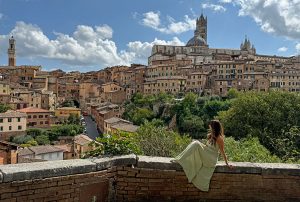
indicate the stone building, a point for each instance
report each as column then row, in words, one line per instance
column 285, row 79
column 115, row 124
column 241, row 68
column 8, row 153
column 105, row 111
column 12, row 123
column 173, row 85
column 63, row 113
column 37, row 118
column 41, row 152
column 88, row 91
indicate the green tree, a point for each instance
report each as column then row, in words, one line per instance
column 4, row 108
column 64, row 130
column 211, row 108
column 42, row 140
column 248, row 150
column 140, row 115
column 73, row 119
column 190, row 102
column 158, row 141
column 288, row 145
column 68, row 103
column 120, row 143
column 34, row 132
column 264, row 115
column 232, row 93
column 31, row 143
column 193, row 125
column 22, row 139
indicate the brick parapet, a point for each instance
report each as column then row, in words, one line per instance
column 132, row 178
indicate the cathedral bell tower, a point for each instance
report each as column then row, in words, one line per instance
column 200, row 34
column 12, row 52
column 201, row 27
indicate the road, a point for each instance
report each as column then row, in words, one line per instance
column 91, row 128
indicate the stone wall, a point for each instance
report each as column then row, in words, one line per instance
column 131, row 178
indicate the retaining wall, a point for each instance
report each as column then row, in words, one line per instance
column 141, row 178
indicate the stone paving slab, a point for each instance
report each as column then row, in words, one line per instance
column 39, row 170
column 107, row 162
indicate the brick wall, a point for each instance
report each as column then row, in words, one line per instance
column 80, row 187
column 131, row 178
column 140, row 184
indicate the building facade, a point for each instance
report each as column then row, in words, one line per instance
column 12, row 123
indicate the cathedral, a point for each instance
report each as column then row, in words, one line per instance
column 198, row 50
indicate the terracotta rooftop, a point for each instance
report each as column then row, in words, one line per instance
column 33, row 110
column 65, row 147
column 125, row 127
column 9, row 144
column 112, row 120
column 42, row 149
column 25, row 151
column 82, row 139
column 68, row 108
column 116, row 120
column 12, row 114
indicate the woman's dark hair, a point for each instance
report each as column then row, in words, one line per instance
column 216, row 131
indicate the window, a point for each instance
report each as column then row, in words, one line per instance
column 19, row 119
column 1, row 128
column 41, row 123
column 9, row 119
column 9, row 128
column 19, row 127
column 40, row 116
column 1, row 120
column 46, row 116
column 29, row 116
column 34, row 116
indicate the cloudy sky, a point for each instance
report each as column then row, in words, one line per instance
column 89, row 35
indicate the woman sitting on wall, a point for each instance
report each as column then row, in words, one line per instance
column 199, row 160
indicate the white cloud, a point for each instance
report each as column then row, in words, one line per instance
column 1, row 16
column 86, row 46
column 298, row 48
column 214, row 7
column 280, row 17
column 142, row 50
column 152, row 19
column 282, row 49
column 225, row 1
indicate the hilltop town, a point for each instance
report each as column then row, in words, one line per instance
column 39, row 99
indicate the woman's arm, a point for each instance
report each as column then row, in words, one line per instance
column 220, row 142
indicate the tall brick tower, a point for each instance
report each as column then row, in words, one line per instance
column 201, row 27
column 12, row 52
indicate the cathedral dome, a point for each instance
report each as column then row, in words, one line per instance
column 196, row 41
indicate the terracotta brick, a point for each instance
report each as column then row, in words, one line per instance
column 6, row 195
column 65, row 182
column 9, row 200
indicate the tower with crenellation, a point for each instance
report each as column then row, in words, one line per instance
column 12, row 52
